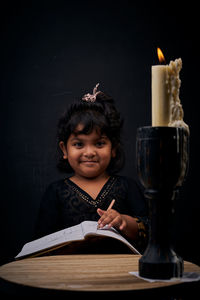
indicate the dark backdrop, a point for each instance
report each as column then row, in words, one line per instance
column 54, row 52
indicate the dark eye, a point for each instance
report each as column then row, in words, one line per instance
column 78, row 145
column 100, row 144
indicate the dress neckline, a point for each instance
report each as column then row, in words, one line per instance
column 83, row 195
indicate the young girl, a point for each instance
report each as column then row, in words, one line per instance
column 90, row 151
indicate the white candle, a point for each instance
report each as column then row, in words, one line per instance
column 160, row 96
column 166, row 106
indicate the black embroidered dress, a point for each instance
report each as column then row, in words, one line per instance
column 65, row 204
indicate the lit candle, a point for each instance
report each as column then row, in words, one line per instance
column 166, row 106
column 160, row 99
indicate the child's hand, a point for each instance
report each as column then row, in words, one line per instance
column 111, row 218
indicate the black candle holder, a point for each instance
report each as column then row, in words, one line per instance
column 162, row 163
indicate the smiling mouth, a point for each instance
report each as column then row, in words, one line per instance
column 89, row 161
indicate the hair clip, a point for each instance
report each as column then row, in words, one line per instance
column 91, row 97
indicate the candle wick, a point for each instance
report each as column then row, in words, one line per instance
column 162, row 62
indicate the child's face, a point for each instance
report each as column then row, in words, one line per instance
column 88, row 154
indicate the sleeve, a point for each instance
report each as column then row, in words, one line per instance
column 47, row 219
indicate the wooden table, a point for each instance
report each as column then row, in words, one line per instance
column 85, row 273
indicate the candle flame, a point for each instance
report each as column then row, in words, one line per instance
column 160, row 56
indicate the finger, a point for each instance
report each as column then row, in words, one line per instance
column 103, row 213
column 105, row 220
column 122, row 226
column 117, row 222
column 100, row 211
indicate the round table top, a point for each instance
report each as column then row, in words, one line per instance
column 109, row 272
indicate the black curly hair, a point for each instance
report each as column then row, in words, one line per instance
column 101, row 115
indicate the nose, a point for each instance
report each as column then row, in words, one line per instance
column 89, row 151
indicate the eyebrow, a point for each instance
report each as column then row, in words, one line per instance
column 79, row 138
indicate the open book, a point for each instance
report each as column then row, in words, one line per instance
column 63, row 237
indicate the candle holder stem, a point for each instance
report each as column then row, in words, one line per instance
column 159, row 259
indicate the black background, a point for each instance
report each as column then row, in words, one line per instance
column 56, row 51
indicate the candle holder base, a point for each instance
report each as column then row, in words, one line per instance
column 159, row 267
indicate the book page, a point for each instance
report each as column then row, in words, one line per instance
column 70, row 234
column 91, row 227
column 73, row 233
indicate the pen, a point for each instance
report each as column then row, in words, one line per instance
column 111, row 204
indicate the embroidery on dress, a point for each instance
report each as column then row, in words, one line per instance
column 87, row 198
